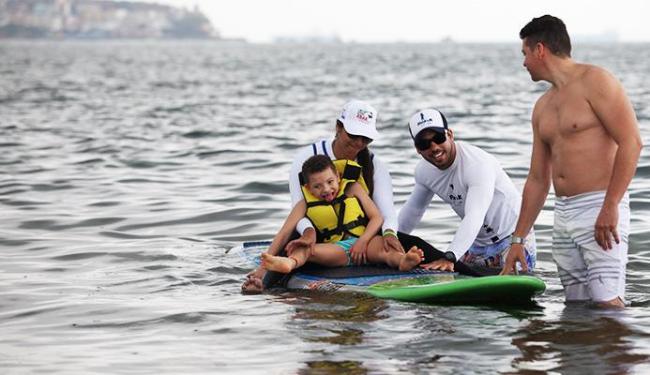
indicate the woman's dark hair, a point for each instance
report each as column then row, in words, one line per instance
column 315, row 164
column 364, row 158
column 550, row 31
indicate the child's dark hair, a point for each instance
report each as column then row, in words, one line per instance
column 315, row 164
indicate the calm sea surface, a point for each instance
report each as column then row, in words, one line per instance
column 128, row 170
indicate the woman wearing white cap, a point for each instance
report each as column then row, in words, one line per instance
column 355, row 130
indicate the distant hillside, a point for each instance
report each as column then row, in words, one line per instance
column 99, row 19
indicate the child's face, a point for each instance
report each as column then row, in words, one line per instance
column 324, row 184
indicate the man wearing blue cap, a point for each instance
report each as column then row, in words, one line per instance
column 476, row 187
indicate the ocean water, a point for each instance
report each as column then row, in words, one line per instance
column 128, row 170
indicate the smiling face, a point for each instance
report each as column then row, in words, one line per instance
column 324, row 184
column 440, row 155
column 348, row 146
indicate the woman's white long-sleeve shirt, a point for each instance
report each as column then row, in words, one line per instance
column 476, row 188
column 382, row 194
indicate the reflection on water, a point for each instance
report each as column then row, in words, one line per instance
column 334, row 318
column 341, row 307
column 334, row 368
column 335, row 321
column 583, row 339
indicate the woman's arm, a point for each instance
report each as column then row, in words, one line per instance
column 382, row 195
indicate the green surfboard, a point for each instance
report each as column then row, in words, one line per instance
column 506, row 289
column 415, row 286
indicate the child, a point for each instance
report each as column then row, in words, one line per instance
column 346, row 219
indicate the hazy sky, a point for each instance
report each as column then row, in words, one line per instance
column 419, row 20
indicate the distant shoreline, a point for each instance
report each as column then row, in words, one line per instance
column 101, row 19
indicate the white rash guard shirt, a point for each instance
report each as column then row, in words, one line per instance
column 382, row 194
column 476, row 188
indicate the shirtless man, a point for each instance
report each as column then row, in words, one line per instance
column 586, row 140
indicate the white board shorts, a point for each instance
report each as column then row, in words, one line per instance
column 587, row 271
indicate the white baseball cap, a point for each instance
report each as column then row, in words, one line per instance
column 359, row 118
column 427, row 119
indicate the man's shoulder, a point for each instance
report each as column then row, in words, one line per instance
column 422, row 165
column 542, row 105
column 476, row 163
column 425, row 171
column 474, row 151
column 601, row 79
column 593, row 77
column 590, row 70
column 543, row 99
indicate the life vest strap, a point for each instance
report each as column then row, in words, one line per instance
column 318, row 203
column 360, row 221
column 343, row 228
column 351, row 172
column 325, row 234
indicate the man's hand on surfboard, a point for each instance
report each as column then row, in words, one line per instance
column 516, row 254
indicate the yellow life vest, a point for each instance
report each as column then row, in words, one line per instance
column 344, row 215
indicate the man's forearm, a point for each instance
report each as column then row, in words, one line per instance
column 625, row 164
column 533, row 200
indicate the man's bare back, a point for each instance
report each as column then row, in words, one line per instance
column 581, row 149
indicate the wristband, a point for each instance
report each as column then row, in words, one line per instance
column 390, row 232
column 515, row 240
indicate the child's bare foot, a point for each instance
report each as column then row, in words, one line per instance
column 278, row 264
column 411, row 259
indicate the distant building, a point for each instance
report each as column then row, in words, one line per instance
column 99, row 19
